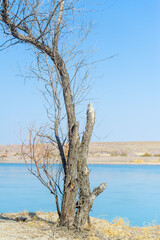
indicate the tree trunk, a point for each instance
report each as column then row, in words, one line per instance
column 77, row 178
column 69, row 200
column 84, row 203
column 70, row 182
column 84, row 208
column 86, row 198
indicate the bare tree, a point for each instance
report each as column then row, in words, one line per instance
column 42, row 162
column 54, row 30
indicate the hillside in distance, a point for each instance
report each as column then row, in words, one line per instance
column 100, row 153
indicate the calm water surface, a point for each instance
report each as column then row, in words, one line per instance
column 133, row 192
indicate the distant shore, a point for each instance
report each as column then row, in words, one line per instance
column 101, row 161
column 116, row 153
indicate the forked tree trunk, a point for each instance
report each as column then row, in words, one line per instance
column 75, row 213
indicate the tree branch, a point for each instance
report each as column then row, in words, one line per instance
column 89, row 125
column 97, row 191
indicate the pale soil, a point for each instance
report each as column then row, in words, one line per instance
column 101, row 153
column 44, row 226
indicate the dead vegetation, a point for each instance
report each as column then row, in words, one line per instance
column 45, row 226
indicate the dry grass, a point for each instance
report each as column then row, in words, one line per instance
column 44, row 226
column 4, row 155
column 120, row 229
column 138, row 161
column 146, row 155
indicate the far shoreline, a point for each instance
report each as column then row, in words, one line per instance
column 93, row 163
column 100, row 153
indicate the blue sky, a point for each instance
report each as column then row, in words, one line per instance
column 125, row 89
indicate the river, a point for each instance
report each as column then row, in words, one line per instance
column 133, row 192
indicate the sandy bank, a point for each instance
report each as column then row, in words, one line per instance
column 101, row 161
column 144, row 153
column 44, row 226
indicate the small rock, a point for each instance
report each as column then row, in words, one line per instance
column 21, row 219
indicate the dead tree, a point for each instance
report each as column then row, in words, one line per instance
column 52, row 30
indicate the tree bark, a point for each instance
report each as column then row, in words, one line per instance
column 84, row 204
column 70, row 182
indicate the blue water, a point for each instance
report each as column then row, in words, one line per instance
column 133, row 192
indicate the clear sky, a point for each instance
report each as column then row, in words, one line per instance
column 125, row 89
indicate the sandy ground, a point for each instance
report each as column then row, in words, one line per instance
column 101, row 153
column 44, row 226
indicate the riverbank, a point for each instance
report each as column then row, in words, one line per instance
column 44, row 226
column 130, row 153
column 100, row 161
